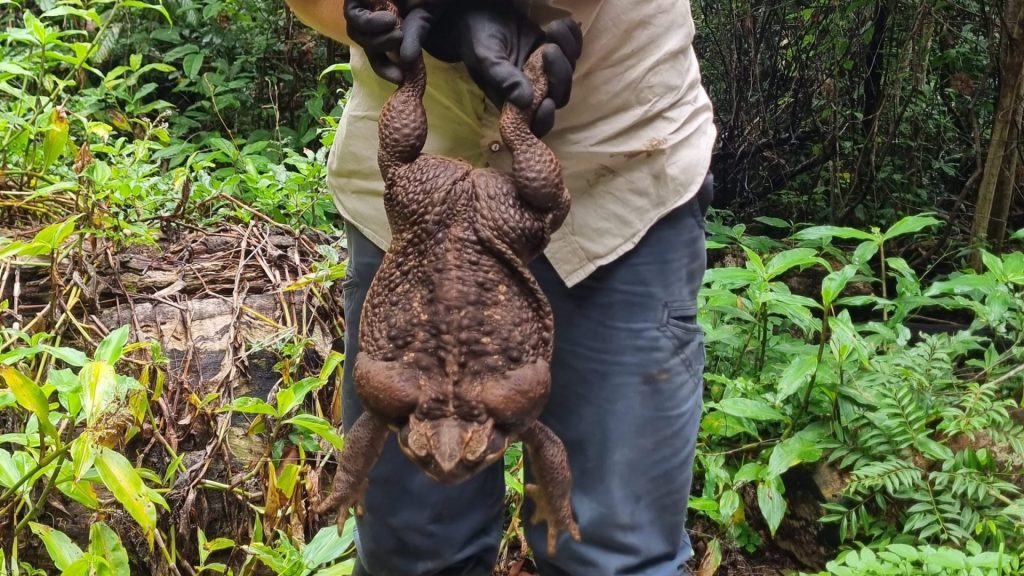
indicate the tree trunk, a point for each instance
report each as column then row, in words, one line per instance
column 995, row 193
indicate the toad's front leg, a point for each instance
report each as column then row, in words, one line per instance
column 363, row 445
column 554, row 481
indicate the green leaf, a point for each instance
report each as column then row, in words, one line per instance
column 345, row 68
column 191, row 64
column 828, row 232
column 751, row 409
column 157, row 7
column 771, row 503
column 30, row 396
column 286, row 479
column 800, row 448
column 320, row 427
column 249, row 405
column 69, row 356
column 773, row 222
column 55, row 234
column 788, row 259
column 933, row 449
column 82, row 457
column 910, row 225
column 61, row 549
column 112, row 346
column 105, row 543
column 947, row 558
column 124, row 482
column 833, row 284
column 328, row 545
column 749, row 472
column 100, row 390
column 865, row 252
column 728, row 504
column 795, row 375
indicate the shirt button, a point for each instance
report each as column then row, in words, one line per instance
column 494, row 146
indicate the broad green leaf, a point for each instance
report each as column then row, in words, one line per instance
column 55, row 234
column 754, row 262
column 55, row 141
column 9, row 473
column 865, row 252
column 345, row 68
column 157, row 7
column 729, row 276
column 105, row 543
column 318, row 426
column 82, row 456
column 112, row 346
column 962, row 284
column 721, row 425
column 771, row 503
column 783, row 261
column 124, row 482
column 800, row 448
column 249, row 405
column 292, row 396
column 191, row 64
column 947, row 558
column 751, row 409
column 61, row 549
column 728, row 504
column 773, row 222
column 333, row 360
column 845, row 338
column 749, row 472
column 910, row 225
column 286, row 479
column 835, row 282
column 826, row 232
column 67, row 355
column 100, row 390
column 795, row 376
column 30, row 396
column 933, row 449
column 1018, row 235
column 344, row 568
column 904, row 551
column 328, row 545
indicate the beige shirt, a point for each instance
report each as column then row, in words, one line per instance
column 635, row 140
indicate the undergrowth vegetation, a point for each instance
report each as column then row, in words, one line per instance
column 864, row 411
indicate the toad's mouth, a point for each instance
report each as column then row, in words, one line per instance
column 450, row 449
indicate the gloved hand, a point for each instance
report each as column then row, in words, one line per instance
column 377, row 31
column 494, row 40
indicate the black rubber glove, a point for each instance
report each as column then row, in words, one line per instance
column 494, row 41
column 377, row 31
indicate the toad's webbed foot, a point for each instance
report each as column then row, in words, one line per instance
column 554, row 481
column 363, row 445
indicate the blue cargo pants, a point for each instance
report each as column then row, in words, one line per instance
column 625, row 400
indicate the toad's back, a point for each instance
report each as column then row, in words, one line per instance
column 452, row 296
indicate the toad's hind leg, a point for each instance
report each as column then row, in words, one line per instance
column 554, row 482
column 363, row 445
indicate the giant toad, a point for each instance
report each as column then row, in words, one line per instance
column 456, row 335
